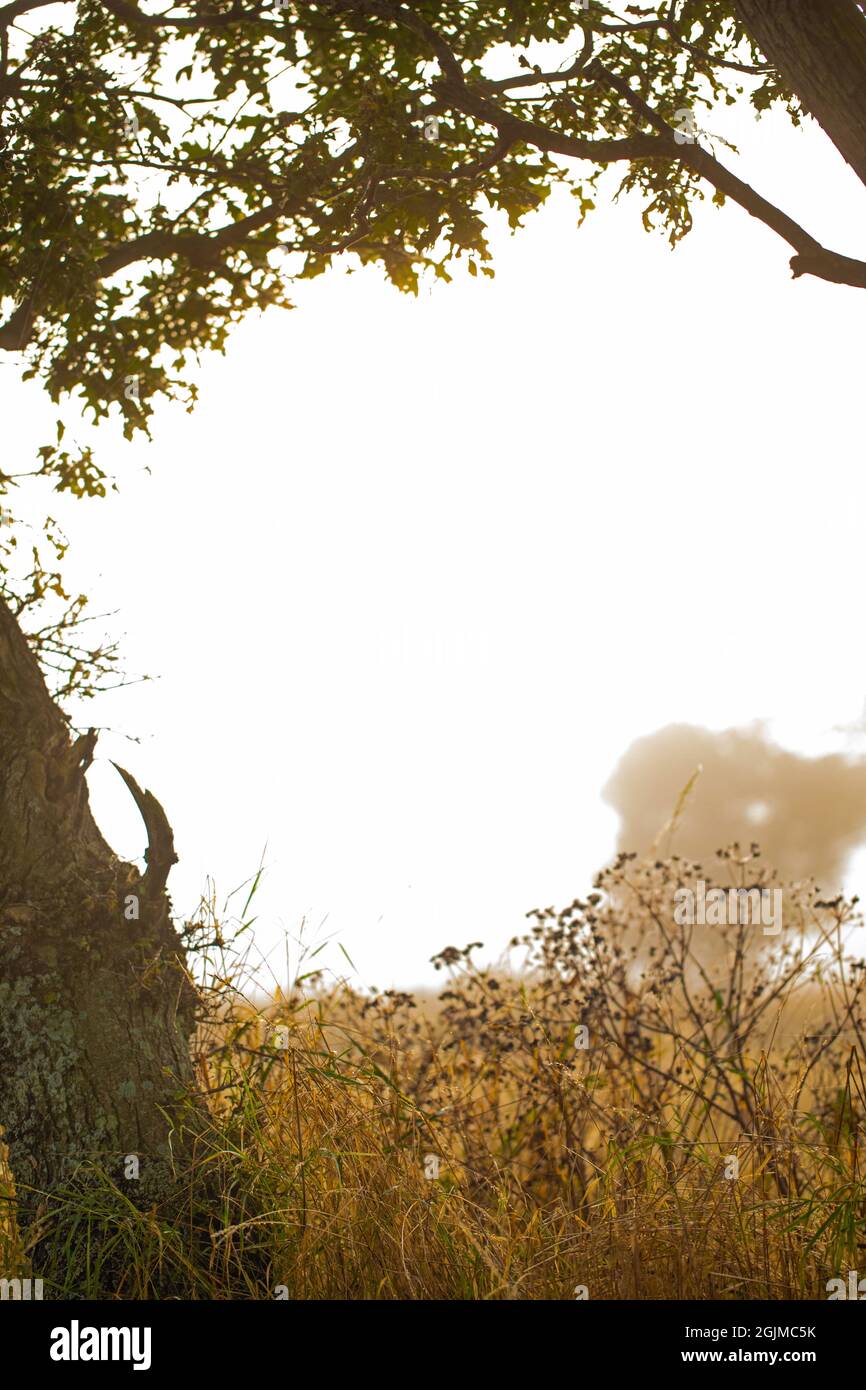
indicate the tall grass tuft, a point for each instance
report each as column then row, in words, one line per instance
column 624, row 1107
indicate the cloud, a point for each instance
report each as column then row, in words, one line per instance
column 807, row 814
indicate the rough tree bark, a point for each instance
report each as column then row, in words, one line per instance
column 819, row 48
column 96, row 1010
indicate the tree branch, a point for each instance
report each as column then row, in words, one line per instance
column 812, row 258
column 752, row 69
column 202, row 249
column 209, row 19
column 10, row 12
column 533, row 79
column 160, row 854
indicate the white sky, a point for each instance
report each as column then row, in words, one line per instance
column 415, row 573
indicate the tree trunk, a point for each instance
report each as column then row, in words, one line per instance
column 819, row 49
column 96, row 1009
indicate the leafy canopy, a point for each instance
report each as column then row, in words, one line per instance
column 165, row 170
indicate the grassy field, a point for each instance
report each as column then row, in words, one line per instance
column 630, row 1109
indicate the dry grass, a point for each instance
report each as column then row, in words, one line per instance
column 465, row 1147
